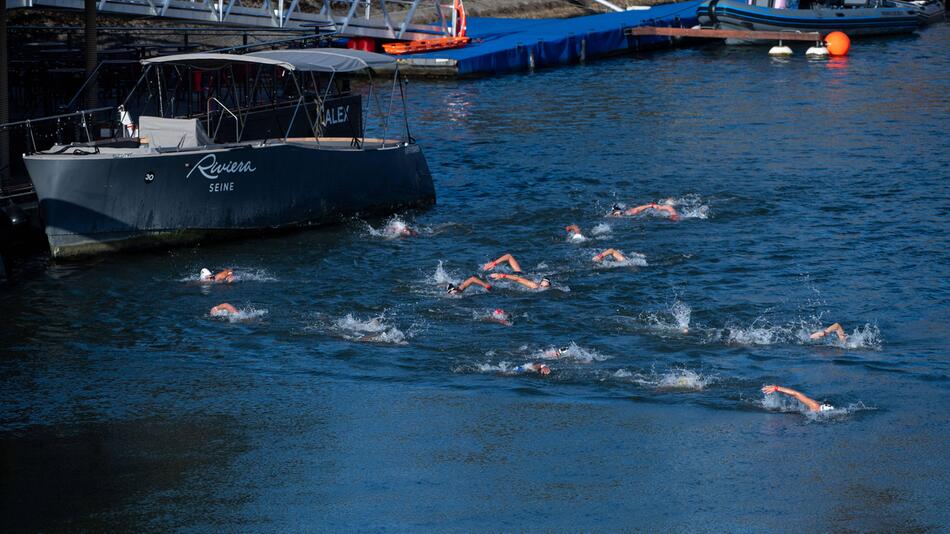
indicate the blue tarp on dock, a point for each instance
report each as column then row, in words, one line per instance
column 505, row 45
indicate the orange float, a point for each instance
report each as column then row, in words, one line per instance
column 838, row 43
column 428, row 45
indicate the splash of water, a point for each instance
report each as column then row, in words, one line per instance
column 689, row 206
column 676, row 378
column 576, row 238
column 784, row 404
column 678, row 319
column 394, row 228
column 441, row 276
column 634, row 259
column 242, row 315
column 571, row 352
column 600, row 230
column 373, row 330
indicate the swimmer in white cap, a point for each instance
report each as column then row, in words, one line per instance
column 836, row 328
column 574, row 233
column 226, row 276
column 453, row 289
column 812, row 404
column 544, row 283
column 617, row 211
column 614, row 253
column 507, row 258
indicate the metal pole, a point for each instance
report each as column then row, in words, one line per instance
column 92, row 45
column 4, row 99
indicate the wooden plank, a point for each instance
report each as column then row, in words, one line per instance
column 709, row 33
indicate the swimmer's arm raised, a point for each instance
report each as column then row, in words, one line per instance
column 505, row 258
column 474, row 280
column 836, row 328
column 639, row 209
column 812, row 404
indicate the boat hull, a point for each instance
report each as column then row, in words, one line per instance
column 731, row 14
column 103, row 203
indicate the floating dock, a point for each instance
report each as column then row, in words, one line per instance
column 509, row 45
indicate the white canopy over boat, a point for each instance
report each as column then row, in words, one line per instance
column 305, row 60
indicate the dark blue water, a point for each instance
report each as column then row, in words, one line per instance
column 356, row 395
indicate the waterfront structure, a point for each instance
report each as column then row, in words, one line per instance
column 855, row 18
column 173, row 181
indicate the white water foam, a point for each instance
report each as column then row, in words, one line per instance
column 676, row 378
column 373, row 330
column 253, row 275
column 575, row 238
column 490, row 316
column 242, row 315
column 443, row 277
column 782, row 403
column 689, row 206
column 866, row 337
column 395, row 228
column 677, row 319
column 571, row 352
column 601, row 230
column 634, row 259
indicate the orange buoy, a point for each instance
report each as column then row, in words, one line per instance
column 838, row 43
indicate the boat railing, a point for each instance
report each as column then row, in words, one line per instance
column 237, row 122
column 55, row 129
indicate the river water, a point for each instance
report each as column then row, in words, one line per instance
column 353, row 393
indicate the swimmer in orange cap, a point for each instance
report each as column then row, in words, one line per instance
column 617, row 211
column 507, row 258
column 836, row 328
column 544, row 283
column 223, row 310
column 812, row 404
column 614, row 253
column 226, row 276
column 453, row 289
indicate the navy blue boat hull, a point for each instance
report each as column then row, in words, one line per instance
column 101, row 203
column 731, row 14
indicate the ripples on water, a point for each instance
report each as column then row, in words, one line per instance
column 812, row 193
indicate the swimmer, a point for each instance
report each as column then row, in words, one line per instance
column 812, row 404
column 507, row 258
column 554, row 353
column 500, row 316
column 223, row 310
column 617, row 256
column 574, row 233
column 453, row 289
column 226, row 276
column 400, row 229
column 617, row 211
column 836, row 328
column 544, row 283
column 539, row 368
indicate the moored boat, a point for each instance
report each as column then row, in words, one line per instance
column 853, row 17
column 172, row 182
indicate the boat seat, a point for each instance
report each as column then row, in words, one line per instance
column 172, row 133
